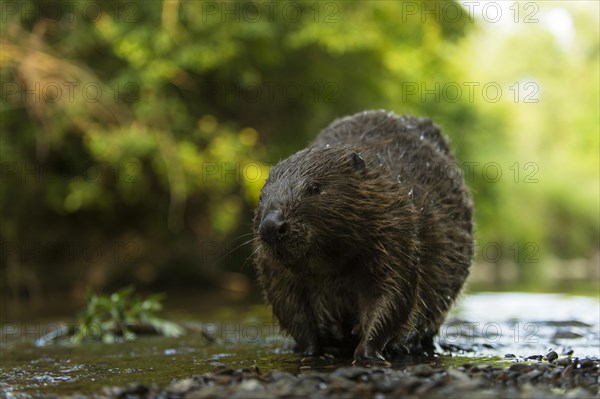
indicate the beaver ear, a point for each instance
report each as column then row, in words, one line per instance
column 358, row 162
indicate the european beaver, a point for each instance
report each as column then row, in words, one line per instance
column 364, row 239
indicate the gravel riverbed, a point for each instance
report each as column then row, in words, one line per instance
column 550, row 377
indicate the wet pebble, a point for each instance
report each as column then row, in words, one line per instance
column 567, row 372
column 564, row 361
column 585, row 363
column 551, row 356
column 520, row 367
column 535, row 357
column 533, row 374
column 251, row 385
column 422, row 370
column 351, row 373
column 481, row 368
column 222, row 369
column 182, row 386
column 457, row 374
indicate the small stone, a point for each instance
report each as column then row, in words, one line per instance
column 552, row 356
column 481, row 367
column 457, row 374
column 222, row 369
column 280, row 375
column 422, row 370
column 181, row 386
column 535, row 357
column 251, row 385
column 533, row 374
column 503, row 375
column 586, row 363
column 206, row 392
column 577, row 393
column 385, row 386
column 341, row 385
column 567, row 372
column 564, row 361
column 520, row 367
column 222, row 379
column 351, row 373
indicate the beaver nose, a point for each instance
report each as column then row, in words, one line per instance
column 273, row 228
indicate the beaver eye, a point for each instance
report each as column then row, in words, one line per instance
column 314, row 188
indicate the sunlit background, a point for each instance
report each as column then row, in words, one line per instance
column 135, row 137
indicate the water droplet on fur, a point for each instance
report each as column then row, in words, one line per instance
column 427, row 164
column 410, row 193
column 421, row 136
column 399, row 179
column 327, row 145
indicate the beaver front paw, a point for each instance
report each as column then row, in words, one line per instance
column 366, row 355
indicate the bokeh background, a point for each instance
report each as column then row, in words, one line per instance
column 135, row 136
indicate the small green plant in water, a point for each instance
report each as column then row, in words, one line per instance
column 118, row 317
column 122, row 316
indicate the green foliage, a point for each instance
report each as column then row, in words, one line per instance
column 116, row 317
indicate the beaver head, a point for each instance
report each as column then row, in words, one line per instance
column 316, row 207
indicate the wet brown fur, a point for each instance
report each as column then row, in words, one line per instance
column 374, row 260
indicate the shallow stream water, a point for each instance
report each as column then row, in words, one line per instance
column 487, row 327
